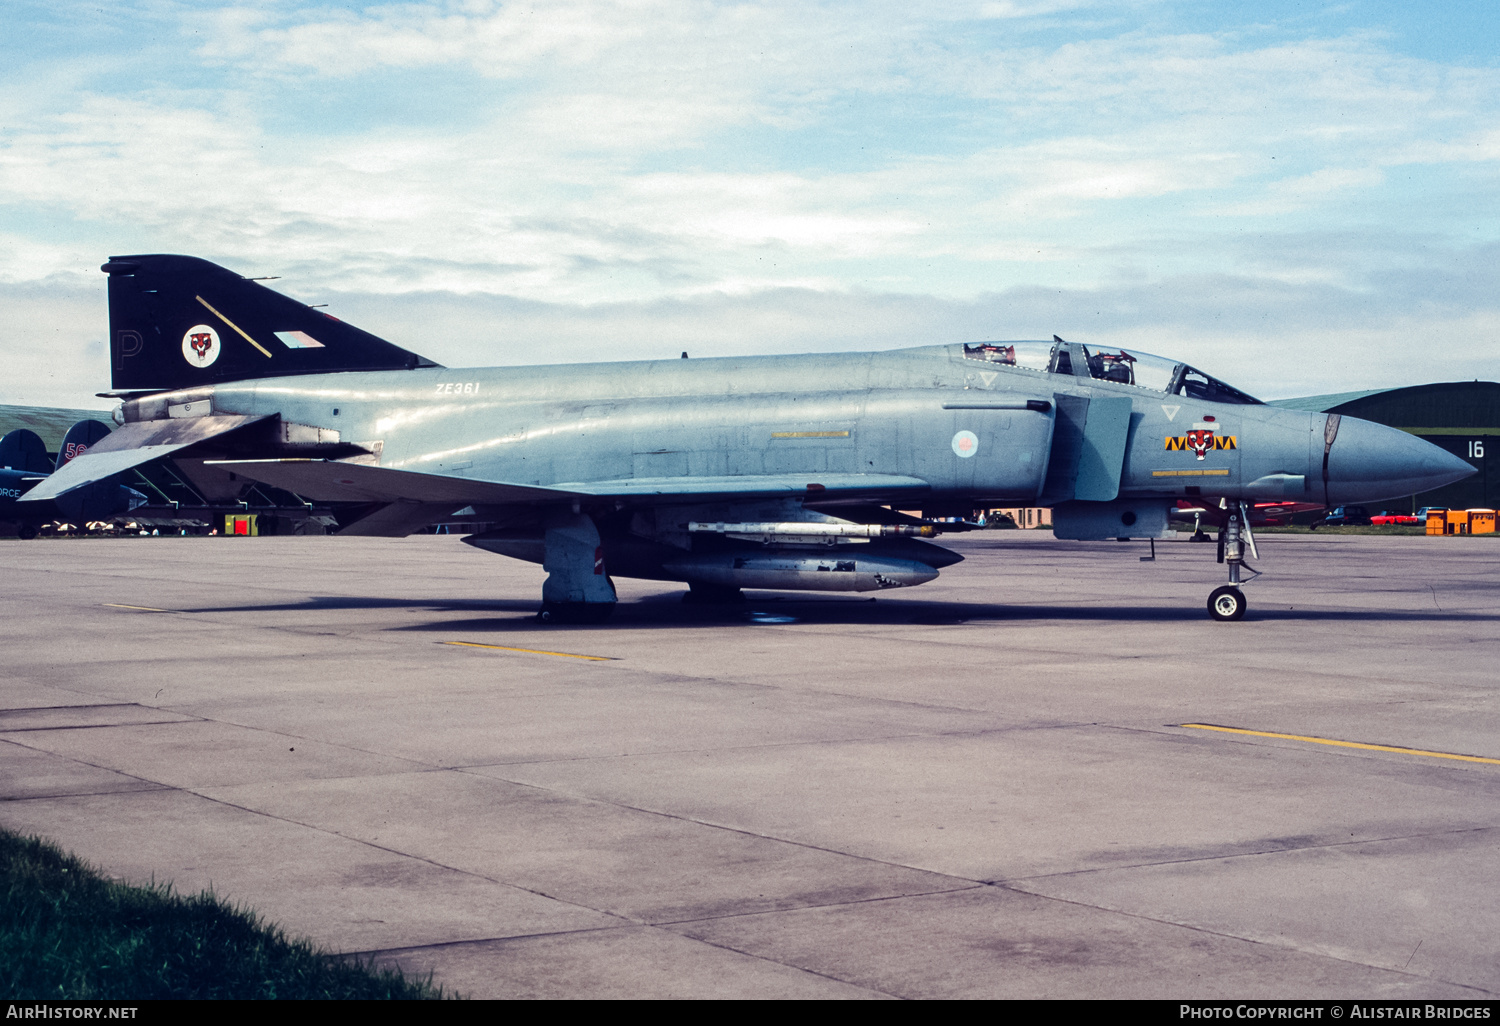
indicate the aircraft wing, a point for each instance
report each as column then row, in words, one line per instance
column 399, row 519
column 130, row 446
column 334, row 481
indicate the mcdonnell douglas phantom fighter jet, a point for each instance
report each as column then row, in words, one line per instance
column 746, row 472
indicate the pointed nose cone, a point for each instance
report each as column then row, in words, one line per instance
column 1372, row 462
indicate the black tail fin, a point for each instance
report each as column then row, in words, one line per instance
column 24, row 450
column 177, row 321
column 78, row 439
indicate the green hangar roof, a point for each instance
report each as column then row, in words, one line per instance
column 49, row 422
column 1447, row 407
column 1460, row 416
column 1324, row 403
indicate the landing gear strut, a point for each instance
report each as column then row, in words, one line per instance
column 1228, row 602
column 577, row 589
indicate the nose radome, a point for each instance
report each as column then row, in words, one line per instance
column 1371, row 462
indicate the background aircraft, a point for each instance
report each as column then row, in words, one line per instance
column 1257, row 514
column 762, row 472
column 24, row 463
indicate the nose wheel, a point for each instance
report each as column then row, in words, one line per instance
column 1226, row 603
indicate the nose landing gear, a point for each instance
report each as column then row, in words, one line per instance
column 1228, row 602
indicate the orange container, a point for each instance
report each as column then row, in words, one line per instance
column 1481, row 521
column 1437, row 521
column 1458, row 521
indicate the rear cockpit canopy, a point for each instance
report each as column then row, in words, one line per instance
column 1121, row 366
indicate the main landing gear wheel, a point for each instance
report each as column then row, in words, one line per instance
column 1226, row 603
column 712, row 595
column 575, row 612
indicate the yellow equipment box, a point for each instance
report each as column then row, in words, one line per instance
column 241, row 524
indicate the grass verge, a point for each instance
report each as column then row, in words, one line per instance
column 67, row 932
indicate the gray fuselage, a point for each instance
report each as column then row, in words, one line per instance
column 899, row 414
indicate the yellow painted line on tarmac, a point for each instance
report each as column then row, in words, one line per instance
column 141, row 609
column 532, row 651
column 1345, row 744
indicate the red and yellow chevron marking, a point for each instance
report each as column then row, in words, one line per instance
column 1180, row 442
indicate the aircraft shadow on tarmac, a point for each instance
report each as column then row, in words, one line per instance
column 316, row 603
column 668, row 611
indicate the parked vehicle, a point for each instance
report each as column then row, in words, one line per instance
column 1390, row 518
column 1345, row 516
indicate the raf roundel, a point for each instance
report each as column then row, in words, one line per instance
column 965, row 444
column 200, row 345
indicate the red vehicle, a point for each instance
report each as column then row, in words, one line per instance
column 1388, row 518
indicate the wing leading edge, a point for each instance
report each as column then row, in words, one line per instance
column 335, row 481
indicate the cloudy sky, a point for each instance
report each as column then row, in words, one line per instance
column 1297, row 196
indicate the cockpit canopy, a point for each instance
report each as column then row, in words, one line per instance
column 1122, row 366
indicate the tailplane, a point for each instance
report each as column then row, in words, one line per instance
column 24, row 450
column 177, row 321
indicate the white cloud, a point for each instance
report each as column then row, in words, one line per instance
column 55, row 344
column 626, row 156
column 1274, row 339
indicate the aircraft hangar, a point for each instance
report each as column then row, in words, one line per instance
column 49, row 422
column 1462, row 417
